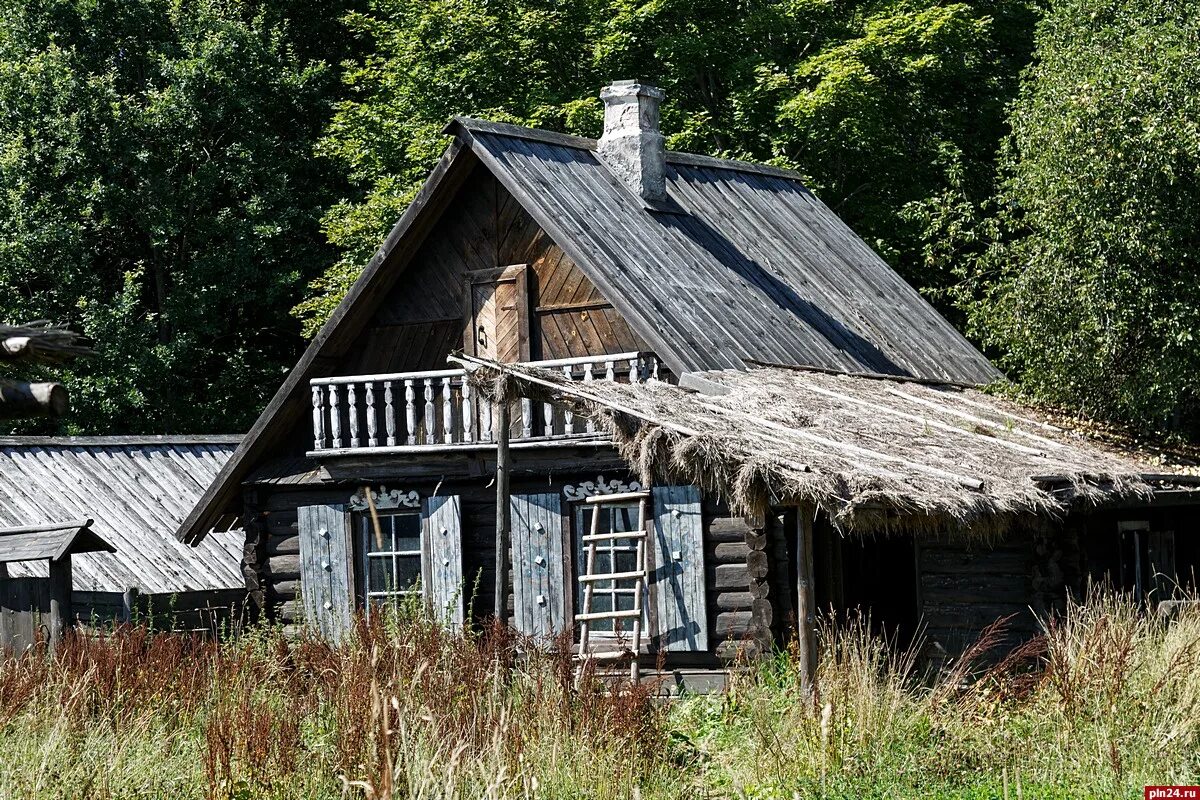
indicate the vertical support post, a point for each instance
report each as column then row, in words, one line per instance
column 60, row 600
column 805, row 599
column 129, row 599
column 503, row 507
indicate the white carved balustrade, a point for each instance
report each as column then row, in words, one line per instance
column 440, row 408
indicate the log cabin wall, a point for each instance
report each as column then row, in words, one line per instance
column 727, row 591
column 422, row 320
column 964, row 586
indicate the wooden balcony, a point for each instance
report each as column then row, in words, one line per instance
column 417, row 411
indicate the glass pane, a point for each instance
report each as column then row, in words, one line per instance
column 601, row 602
column 408, row 572
column 406, row 531
column 625, row 561
column 625, row 602
column 625, row 519
column 379, row 574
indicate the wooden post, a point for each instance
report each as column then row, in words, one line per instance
column 806, row 602
column 60, row 600
column 503, row 509
column 129, row 601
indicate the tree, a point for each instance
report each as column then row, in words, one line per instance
column 1085, row 274
column 158, row 191
column 881, row 104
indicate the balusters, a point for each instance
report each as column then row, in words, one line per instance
column 568, row 415
column 635, row 370
column 588, row 377
column 468, row 412
column 335, row 416
column 653, row 367
column 372, row 427
column 485, row 420
column 526, row 418
column 447, row 413
column 318, row 415
column 389, row 414
column 430, row 414
column 610, row 371
column 410, row 411
column 352, row 413
column 547, row 420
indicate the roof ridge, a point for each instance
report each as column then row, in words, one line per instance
column 103, row 441
column 584, row 143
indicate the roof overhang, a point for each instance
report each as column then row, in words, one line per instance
column 875, row 453
column 52, row 541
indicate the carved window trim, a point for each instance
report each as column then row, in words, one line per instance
column 575, row 492
column 385, row 499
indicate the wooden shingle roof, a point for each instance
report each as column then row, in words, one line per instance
column 749, row 267
column 137, row 490
column 744, row 265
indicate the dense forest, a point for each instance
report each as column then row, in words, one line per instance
column 194, row 183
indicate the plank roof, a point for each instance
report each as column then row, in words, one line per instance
column 137, row 490
column 50, row 542
column 748, row 266
column 742, row 265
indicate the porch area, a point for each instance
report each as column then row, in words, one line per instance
column 420, row 411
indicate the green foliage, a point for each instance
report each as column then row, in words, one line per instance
column 1083, row 270
column 157, row 190
column 876, row 102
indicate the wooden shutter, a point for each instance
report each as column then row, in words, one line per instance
column 326, row 569
column 678, row 582
column 442, row 522
column 537, row 564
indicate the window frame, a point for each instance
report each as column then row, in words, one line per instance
column 366, row 535
column 580, row 525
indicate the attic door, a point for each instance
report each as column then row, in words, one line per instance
column 497, row 314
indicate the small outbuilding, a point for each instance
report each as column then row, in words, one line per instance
column 132, row 492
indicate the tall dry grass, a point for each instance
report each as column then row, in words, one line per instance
column 1106, row 701
column 406, row 710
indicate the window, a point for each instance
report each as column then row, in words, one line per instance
column 612, row 555
column 391, row 560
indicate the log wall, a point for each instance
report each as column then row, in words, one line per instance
column 728, row 594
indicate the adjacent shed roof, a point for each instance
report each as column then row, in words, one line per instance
column 50, row 542
column 137, row 490
column 873, row 453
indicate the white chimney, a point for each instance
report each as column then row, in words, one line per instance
column 632, row 145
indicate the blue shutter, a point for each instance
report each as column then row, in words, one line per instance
column 537, row 564
column 442, row 522
column 678, row 583
column 326, row 569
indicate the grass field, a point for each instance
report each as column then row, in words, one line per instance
column 1106, row 702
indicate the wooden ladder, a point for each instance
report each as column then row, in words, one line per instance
column 590, row 577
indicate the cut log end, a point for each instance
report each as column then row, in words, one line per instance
column 33, row 400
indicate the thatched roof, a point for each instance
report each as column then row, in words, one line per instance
column 873, row 453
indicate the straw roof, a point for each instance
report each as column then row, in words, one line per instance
column 875, row 454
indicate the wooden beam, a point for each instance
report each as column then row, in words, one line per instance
column 60, row 600
column 806, row 604
column 19, row 399
column 500, row 428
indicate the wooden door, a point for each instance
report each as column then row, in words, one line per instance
column 497, row 314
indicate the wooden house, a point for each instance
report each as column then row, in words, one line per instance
column 123, row 497
column 701, row 331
